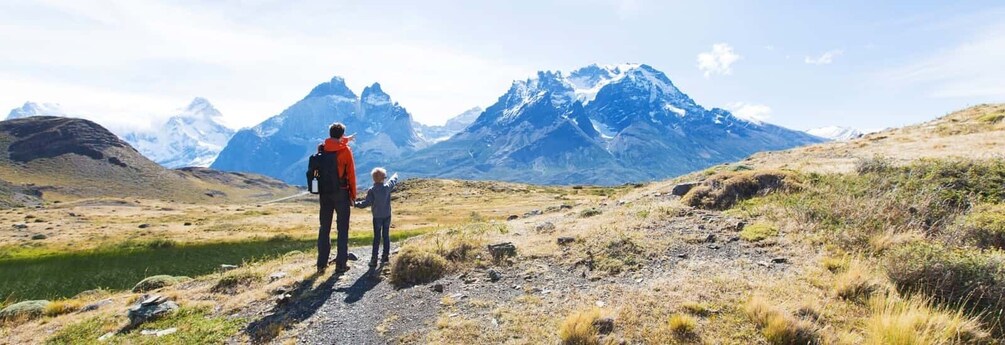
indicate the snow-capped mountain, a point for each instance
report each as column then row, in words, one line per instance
column 194, row 137
column 280, row 145
column 836, row 133
column 454, row 125
column 36, row 109
column 597, row 124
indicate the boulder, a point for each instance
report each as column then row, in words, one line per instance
column 27, row 310
column 566, row 240
column 144, row 226
column 39, row 237
column 502, row 250
column 682, row 188
column 532, row 213
column 20, row 226
column 545, row 227
column 149, row 308
column 494, row 276
column 513, row 217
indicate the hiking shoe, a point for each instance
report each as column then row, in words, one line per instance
column 340, row 270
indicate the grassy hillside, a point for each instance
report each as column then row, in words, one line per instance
column 69, row 159
column 818, row 245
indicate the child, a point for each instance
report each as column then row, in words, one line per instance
column 380, row 197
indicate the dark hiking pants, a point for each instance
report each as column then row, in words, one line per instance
column 381, row 233
column 339, row 204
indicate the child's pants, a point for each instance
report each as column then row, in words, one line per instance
column 381, row 231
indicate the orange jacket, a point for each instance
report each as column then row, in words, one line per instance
column 344, row 156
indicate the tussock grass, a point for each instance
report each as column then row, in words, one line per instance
column 428, row 258
column 231, row 282
column 56, row 308
column 779, row 327
column 578, row 329
column 917, row 322
column 682, row 325
column 856, row 283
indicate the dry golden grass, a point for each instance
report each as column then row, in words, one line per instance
column 681, row 325
column 916, row 322
column 857, row 283
column 779, row 327
column 578, row 329
column 724, row 189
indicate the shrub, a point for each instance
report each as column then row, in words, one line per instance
column 578, row 329
column 61, row 307
column 876, row 164
column 973, row 280
column 724, row 189
column 157, row 282
column 590, row 212
column 992, row 118
column 758, row 232
column 985, row 227
column 915, row 322
column 231, row 282
column 25, row 310
column 414, row 266
column 780, row 328
column 682, row 325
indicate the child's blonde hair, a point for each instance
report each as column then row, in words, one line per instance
column 378, row 171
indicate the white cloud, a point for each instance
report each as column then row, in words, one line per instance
column 824, row 59
column 757, row 113
column 718, row 61
column 973, row 69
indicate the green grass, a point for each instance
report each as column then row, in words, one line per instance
column 758, row 232
column 195, row 326
column 38, row 273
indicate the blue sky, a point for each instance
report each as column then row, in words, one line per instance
column 800, row 64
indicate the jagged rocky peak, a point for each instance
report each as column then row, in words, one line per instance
column 200, row 107
column 374, row 95
column 336, row 87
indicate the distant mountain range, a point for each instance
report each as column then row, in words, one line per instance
column 193, row 138
column 836, row 133
column 280, row 145
column 595, row 125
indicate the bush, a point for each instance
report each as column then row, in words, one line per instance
column 985, row 227
column 414, row 266
column 780, row 328
column 856, row 284
column 590, row 212
column 915, row 322
column 876, row 164
column 974, row 280
column 682, row 325
column 578, row 328
column 25, row 310
column 758, row 232
column 57, row 308
column 157, row 282
column 724, row 189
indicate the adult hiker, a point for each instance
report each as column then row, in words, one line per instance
column 335, row 173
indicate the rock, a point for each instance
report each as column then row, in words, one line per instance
column 188, row 224
column 682, row 256
column 156, row 282
column 96, row 305
column 513, row 217
column 144, row 226
column 779, row 261
column 437, row 288
column 740, row 225
column 20, row 226
column 710, row 238
column 277, row 276
column 546, row 227
column 39, row 237
column 682, row 188
column 494, row 276
column 734, row 238
column 107, row 336
column 714, row 246
column 604, row 325
column 284, row 299
column 159, row 333
column 565, row 207
column 502, row 250
column 148, row 309
column 566, row 240
column 351, row 257
column 27, row 310
column 71, row 214
column 532, row 213
column 226, row 267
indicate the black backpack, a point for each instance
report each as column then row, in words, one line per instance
column 323, row 167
